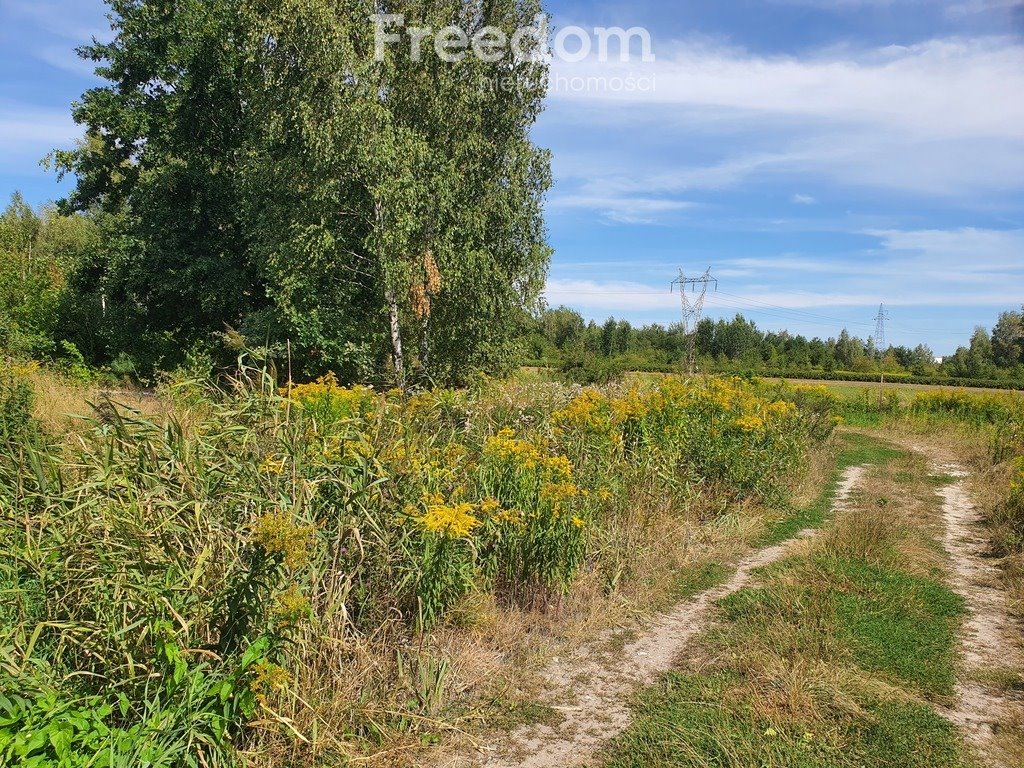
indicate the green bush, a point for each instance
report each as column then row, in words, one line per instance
column 16, row 398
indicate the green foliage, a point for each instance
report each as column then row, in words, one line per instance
column 15, row 405
column 853, row 449
column 701, row 579
column 134, row 534
column 899, row 625
column 38, row 251
column 560, row 338
column 163, row 582
column 696, row 721
column 537, row 539
column 586, row 368
column 254, row 157
column 890, row 623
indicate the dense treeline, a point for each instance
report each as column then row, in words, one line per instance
column 63, row 298
column 561, row 337
column 259, row 170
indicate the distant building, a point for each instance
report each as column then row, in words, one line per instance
column 939, row 360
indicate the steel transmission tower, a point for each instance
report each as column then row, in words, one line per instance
column 880, row 329
column 693, row 306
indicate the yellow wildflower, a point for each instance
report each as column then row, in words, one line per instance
column 511, row 516
column 272, row 466
column 279, row 535
column 489, row 506
column 291, row 607
column 749, row 423
column 268, row 679
column 25, row 369
column 456, row 522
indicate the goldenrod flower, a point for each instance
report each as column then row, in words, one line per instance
column 455, row 522
column 279, row 535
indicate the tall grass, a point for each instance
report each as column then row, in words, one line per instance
column 174, row 592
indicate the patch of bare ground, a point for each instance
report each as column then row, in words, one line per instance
column 989, row 706
column 591, row 688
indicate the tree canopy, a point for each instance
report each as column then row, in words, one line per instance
column 381, row 214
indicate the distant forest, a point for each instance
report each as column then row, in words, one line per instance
column 588, row 351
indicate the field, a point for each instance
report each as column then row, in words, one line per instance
column 852, row 389
column 245, row 571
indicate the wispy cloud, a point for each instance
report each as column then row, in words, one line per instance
column 622, row 209
column 28, row 134
column 960, row 10
column 943, row 117
column 913, row 268
column 941, row 89
column 65, row 59
column 962, row 255
column 76, row 20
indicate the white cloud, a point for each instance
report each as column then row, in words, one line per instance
column 622, row 209
column 911, row 268
column 975, row 7
column 610, row 296
column 28, row 134
column 65, row 58
column 943, row 117
column 800, row 199
column 20, row 126
column 947, row 88
column 962, row 255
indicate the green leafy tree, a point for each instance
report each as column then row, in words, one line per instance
column 38, row 250
column 165, row 135
column 410, row 186
column 272, row 175
column 1008, row 340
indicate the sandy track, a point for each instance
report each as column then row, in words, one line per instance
column 990, row 637
column 592, row 689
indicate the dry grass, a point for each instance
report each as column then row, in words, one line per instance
column 63, row 406
column 378, row 699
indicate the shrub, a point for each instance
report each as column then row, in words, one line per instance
column 15, row 403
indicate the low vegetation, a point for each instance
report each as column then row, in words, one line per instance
column 266, row 571
column 835, row 658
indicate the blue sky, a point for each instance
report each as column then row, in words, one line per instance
column 821, row 157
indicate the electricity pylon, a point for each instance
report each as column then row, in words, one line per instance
column 693, row 307
column 880, row 329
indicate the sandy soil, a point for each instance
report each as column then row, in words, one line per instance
column 990, row 639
